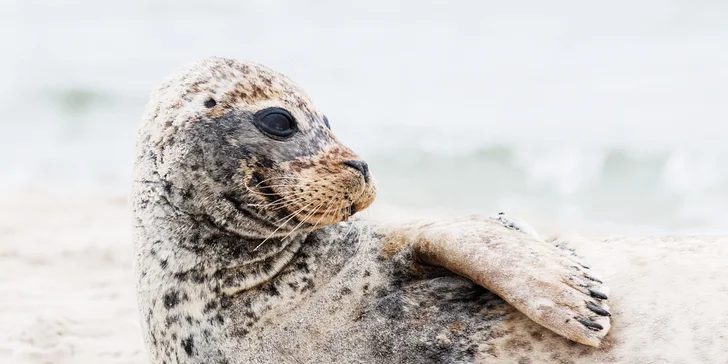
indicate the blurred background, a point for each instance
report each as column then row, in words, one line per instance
column 606, row 113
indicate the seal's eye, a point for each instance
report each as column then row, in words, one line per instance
column 326, row 122
column 276, row 122
column 210, row 103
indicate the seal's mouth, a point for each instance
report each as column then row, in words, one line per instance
column 299, row 202
column 313, row 192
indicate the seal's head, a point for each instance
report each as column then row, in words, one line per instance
column 243, row 145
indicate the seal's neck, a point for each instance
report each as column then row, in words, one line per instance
column 193, row 246
column 188, row 268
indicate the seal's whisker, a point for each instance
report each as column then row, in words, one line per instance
column 251, row 190
column 351, row 227
column 293, row 214
column 289, row 204
column 306, row 187
column 304, row 220
column 339, row 210
column 283, row 200
column 331, row 203
column 298, row 180
column 290, row 217
column 260, row 193
column 295, row 187
column 289, row 185
column 277, row 177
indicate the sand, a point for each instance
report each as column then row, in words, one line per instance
column 66, row 281
column 68, row 294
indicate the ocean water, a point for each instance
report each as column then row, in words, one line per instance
column 606, row 113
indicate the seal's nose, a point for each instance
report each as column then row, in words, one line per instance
column 360, row 166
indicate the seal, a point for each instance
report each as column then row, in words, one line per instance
column 246, row 252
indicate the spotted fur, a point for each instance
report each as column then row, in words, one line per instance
column 244, row 253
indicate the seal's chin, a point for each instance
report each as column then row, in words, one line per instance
column 365, row 200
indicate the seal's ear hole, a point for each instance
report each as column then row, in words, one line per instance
column 326, row 122
column 210, row 103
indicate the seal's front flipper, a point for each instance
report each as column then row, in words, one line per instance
column 539, row 279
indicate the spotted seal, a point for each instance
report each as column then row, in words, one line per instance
column 246, row 253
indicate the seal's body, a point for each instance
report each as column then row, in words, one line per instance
column 244, row 251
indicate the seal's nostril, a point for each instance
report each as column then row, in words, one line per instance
column 360, row 166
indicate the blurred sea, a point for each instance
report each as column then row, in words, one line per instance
column 612, row 112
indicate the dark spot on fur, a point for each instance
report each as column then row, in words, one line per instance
column 226, row 301
column 390, row 306
column 171, row 319
column 167, row 187
column 163, row 263
column 271, row 290
column 537, row 336
column 188, row 344
column 180, row 276
column 171, row 299
column 209, row 306
column 197, row 277
column 302, row 266
column 366, row 273
column 189, row 193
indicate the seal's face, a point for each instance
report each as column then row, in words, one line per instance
column 243, row 135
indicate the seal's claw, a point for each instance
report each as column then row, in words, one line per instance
column 598, row 310
column 592, row 278
column 516, row 224
column 590, row 324
column 597, row 294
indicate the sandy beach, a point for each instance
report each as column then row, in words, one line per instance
column 66, row 281
column 68, row 292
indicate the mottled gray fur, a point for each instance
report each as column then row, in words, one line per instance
column 313, row 292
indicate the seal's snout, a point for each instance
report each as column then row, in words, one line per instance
column 360, row 166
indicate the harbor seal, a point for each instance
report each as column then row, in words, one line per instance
column 245, row 251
